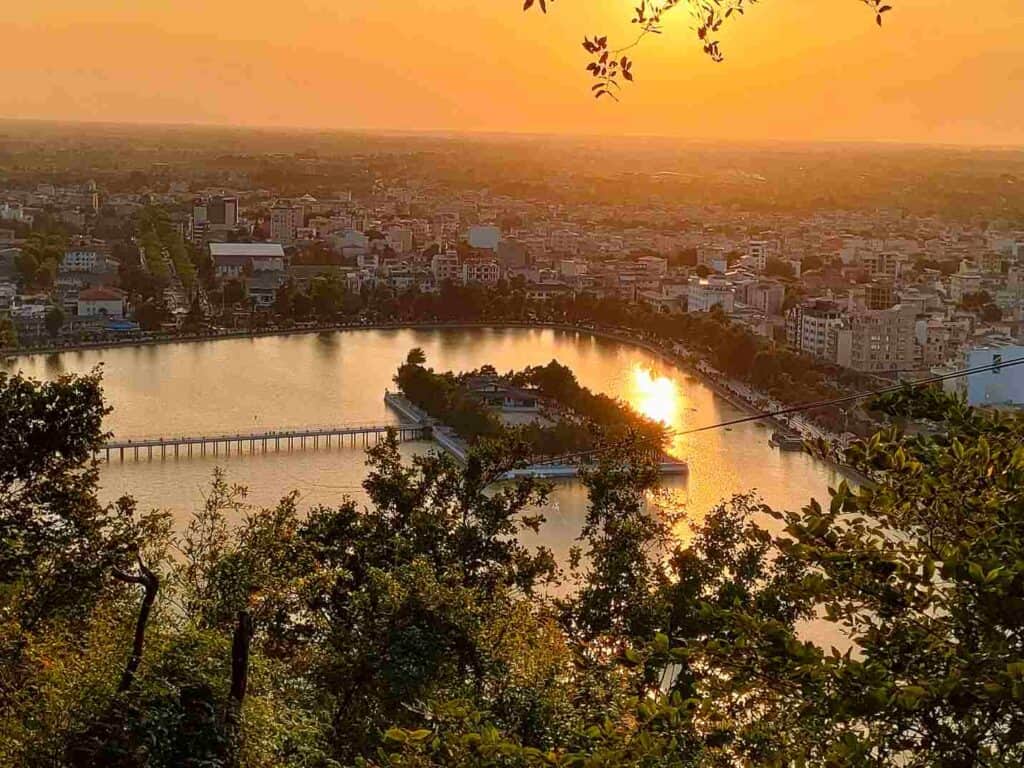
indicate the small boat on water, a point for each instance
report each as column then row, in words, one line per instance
column 786, row 442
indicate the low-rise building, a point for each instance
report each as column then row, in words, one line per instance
column 262, row 286
column 766, row 296
column 235, row 259
column 703, row 294
column 101, row 301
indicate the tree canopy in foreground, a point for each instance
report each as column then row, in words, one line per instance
column 426, row 627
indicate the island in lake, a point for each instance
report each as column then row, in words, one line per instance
column 558, row 425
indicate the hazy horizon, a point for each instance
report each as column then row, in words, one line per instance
column 454, row 133
column 934, row 75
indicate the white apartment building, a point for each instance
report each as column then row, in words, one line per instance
column 997, row 386
column 446, row 266
column 877, row 341
column 702, row 295
column 809, row 326
column 80, row 261
column 938, row 340
column 483, row 272
column 963, row 284
column 15, row 212
column 368, row 260
column 758, row 251
column 884, row 265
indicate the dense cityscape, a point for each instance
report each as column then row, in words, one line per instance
column 898, row 292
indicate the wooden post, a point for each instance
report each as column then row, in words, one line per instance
column 150, row 583
column 240, row 657
column 239, row 683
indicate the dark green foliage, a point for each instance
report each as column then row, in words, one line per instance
column 920, row 403
column 442, row 396
column 54, row 321
column 417, row 630
column 55, row 538
column 583, row 420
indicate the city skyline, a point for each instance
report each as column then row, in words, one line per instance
column 933, row 74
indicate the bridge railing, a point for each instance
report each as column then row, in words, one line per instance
column 258, row 433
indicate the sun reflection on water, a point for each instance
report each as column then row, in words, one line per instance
column 656, row 397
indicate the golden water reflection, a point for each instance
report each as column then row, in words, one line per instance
column 661, row 399
column 656, row 397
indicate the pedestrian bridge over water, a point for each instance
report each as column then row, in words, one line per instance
column 261, row 441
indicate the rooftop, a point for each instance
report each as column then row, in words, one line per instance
column 255, row 250
column 100, row 293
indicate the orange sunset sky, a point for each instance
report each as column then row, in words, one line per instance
column 939, row 71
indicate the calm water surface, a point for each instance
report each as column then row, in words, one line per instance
column 340, row 378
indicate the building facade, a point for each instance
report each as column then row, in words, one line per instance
column 809, row 326
column 285, row 222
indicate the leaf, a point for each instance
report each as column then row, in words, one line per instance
column 661, row 643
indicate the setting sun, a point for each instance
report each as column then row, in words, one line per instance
column 656, row 398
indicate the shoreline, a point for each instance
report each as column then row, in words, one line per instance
column 609, row 335
column 671, row 357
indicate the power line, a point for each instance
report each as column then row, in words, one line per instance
column 853, row 398
column 812, row 406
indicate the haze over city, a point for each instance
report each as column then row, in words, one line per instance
column 938, row 71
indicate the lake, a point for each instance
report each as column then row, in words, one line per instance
column 340, row 377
